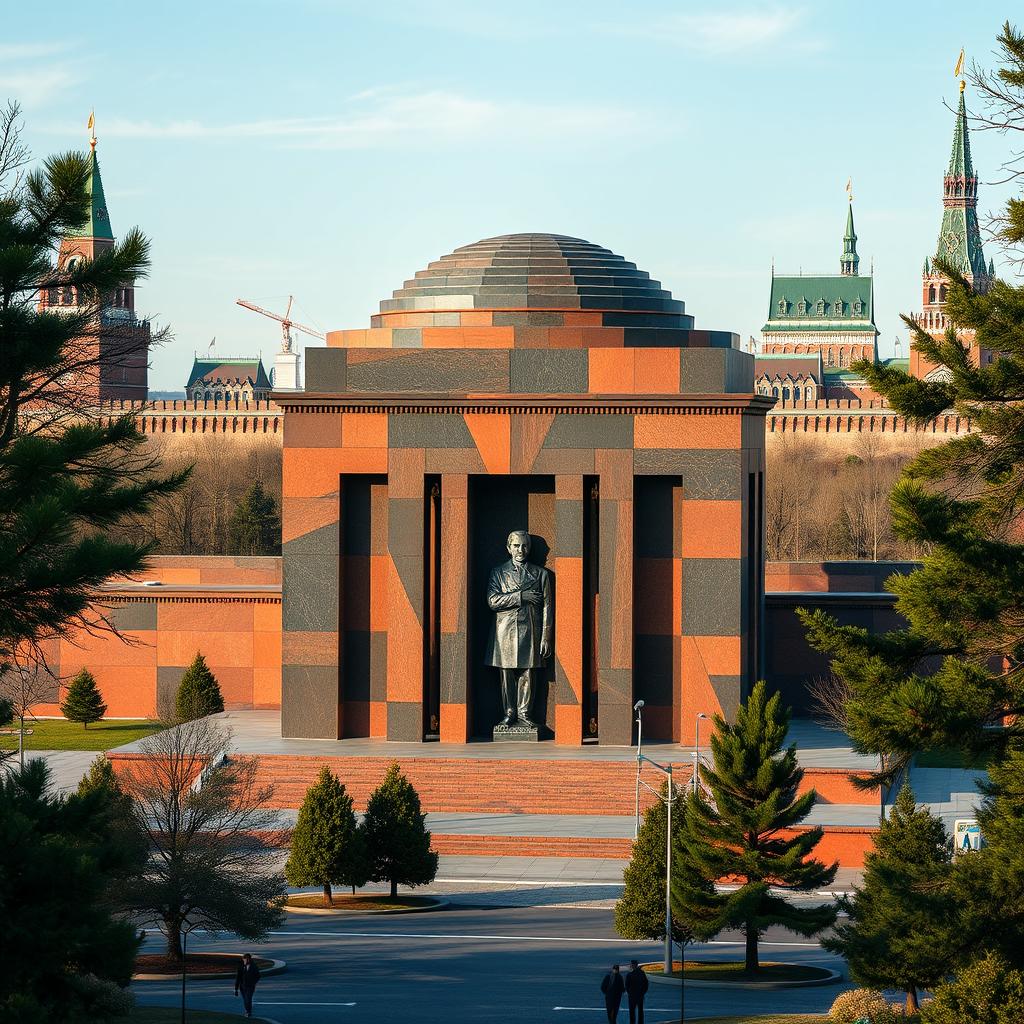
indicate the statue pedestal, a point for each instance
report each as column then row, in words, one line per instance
column 517, row 733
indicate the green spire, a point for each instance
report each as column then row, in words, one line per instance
column 98, row 223
column 850, row 260
column 960, row 156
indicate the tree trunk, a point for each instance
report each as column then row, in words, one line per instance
column 750, row 966
column 173, row 926
column 394, row 887
column 328, row 895
column 912, row 1006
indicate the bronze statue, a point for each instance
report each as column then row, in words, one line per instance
column 520, row 596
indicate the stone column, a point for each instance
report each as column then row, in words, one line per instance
column 455, row 716
column 569, row 665
column 405, row 594
column 615, row 619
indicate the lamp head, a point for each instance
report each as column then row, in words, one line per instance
column 638, row 705
column 702, row 715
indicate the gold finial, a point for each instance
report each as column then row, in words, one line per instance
column 958, row 70
column 92, row 129
column 963, row 85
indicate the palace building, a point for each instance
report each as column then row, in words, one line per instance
column 817, row 327
column 232, row 379
column 529, row 381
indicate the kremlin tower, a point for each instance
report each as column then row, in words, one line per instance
column 959, row 243
column 116, row 354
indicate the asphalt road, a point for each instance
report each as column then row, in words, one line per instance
column 471, row 965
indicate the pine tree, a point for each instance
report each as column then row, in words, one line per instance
column 83, row 702
column 640, row 913
column 397, row 841
column 68, row 477
column 754, row 788
column 112, row 811
column 198, row 692
column 988, row 884
column 327, row 844
column 255, row 526
column 900, row 931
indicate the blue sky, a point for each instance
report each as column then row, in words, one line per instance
column 331, row 149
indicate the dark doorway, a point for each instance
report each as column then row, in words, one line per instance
column 498, row 505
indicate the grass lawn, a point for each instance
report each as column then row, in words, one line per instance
column 732, row 970
column 950, row 759
column 360, row 901
column 56, row 734
column 172, row 1015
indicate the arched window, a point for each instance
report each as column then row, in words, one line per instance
column 831, row 360
column 782, row 307
column 842, row 358
column 209, row 396
column 801, row 307
column 931, row 293
column 820, row 308
column 837, row 307
column 857, row 307
column 785, row 394
column 775, row 390
column 808, row 394
column 942, row 293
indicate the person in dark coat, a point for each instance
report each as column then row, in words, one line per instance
column 613, row 986
column 637, row 984
column 245, row 981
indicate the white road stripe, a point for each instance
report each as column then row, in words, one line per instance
column 267, row 1002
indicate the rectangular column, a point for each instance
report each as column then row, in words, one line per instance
column 568, row 568
column 405, row 594
column 455, row 716
column 615, row 615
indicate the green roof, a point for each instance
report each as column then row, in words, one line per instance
column 898, row 363
column 849, row 261
column 98, row 223
column 832, row 371
column 846, row 303
column 228, row 369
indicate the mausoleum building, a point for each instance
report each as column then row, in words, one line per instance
column 528, row 381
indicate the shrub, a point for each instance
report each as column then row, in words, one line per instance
column 863, row 1004
column 102, row 998
column 198, row 692
column 988, row 991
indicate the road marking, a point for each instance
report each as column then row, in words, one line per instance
column 527, row 938
column 267, row 1002
column 529, row 881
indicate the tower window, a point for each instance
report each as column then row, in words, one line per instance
column 820, row 308
column 858, row 307
column 782, row 307
column 837, row 307
column 801, row 307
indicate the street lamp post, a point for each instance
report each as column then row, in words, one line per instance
column 638, row 707
column 696, row 754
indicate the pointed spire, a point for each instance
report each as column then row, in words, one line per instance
column 927, row 266
column 960, row 165
column 849, row 261
column 991, row 268
column 98, row 223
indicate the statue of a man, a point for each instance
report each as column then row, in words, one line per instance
column 520, row 596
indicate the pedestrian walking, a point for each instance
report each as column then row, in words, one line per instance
column 613, row 986
column 247, row 976
column 637, row 984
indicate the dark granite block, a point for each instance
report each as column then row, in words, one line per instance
column 715, row 371
column 434, row 430
column 569, row 528
column 407, row 337
column 405, row 526
column 134, row 616
column 729, row 691
column 590, row 431
column 378, row 666
column 309, row 594
column 549, row 371
column 712, row 596
column 168, row 678
column 405, row 722
column 704, row 473
column 326, row 370
column 432, row 370
column 453, row 668
column 309, row 702
column 529, row 319
column 322, row 541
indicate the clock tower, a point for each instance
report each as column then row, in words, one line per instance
column 959, row 243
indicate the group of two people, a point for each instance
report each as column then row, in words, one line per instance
column 634, row 985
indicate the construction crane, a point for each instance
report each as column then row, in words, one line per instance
column 286, row 322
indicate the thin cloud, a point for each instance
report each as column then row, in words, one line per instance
column 31, row 51
column 35, row 87
column 729, row 33
column 380, row 119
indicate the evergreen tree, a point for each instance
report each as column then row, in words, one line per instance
column 67, row 477
column 640, row 913
column 83, row 702
column 988, row 884
column 255, row 526
column 327, row 844
column 397, row 841
column 58, row 863
column 958, row 667
column 754, row 786
column 900, row 930
column 198, row 692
